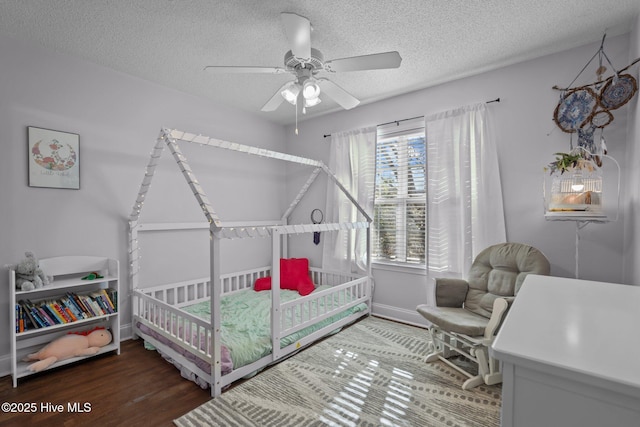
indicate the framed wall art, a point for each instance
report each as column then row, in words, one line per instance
column 54, row 158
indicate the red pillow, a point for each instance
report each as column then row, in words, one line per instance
column 306, row 286
column 294, row 276
column 292, row 272
column 262, row 284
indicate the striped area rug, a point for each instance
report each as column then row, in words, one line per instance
column 370, row 374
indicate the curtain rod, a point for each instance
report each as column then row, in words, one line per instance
column 398, row 121
column 417, row 117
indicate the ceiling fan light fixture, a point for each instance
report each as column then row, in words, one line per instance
column 304, row 62
column 290, row 93
column 311, row 89
column 311, row 102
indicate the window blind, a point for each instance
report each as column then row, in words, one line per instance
column 400, row 193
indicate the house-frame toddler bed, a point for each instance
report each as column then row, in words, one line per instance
column 170, row 316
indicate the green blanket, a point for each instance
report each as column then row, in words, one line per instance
column 246, row 321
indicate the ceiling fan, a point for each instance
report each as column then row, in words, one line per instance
column 305, row 62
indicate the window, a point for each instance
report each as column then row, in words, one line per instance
column 399, row 225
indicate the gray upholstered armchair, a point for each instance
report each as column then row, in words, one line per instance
column 469, row 312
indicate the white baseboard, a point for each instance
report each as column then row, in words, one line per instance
column 126, row 332
column 410, row 317
column 5, row 365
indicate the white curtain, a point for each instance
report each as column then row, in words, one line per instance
column 465, row 211
column 352, row 160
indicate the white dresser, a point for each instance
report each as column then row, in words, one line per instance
column 570, row 351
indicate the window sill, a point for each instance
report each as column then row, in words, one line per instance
column 407, row 269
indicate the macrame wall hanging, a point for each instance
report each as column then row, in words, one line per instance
column 586, row 109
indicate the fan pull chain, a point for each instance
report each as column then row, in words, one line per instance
column 296, row 118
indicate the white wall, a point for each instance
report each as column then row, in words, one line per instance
column 118, row 118
column 527, row 137
column 632, row 174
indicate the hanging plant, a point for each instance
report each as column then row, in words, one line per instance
column 569, row 161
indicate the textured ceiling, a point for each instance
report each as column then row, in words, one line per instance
column 171, row 41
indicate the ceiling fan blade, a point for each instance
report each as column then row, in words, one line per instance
column 376, row 61
column 298, row 31
column 223, row 69
column 335, row 92
column 275, row 101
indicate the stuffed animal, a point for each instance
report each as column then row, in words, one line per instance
column 29, row 275
column 68, row 346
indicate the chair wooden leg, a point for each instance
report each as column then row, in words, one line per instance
column 434, row 353
column 492, row 379
column 435, row 347
column 487, row 367
column 483, row 363
column 472, row 382
column 432, row 357
column 443, row 345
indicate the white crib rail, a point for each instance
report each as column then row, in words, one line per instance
column 319, row 305
column 159, row 308
column 197, row 290
column 347, row 291
column 188, row 331
column 234, row 282
column 182, row 293
column 330, row 278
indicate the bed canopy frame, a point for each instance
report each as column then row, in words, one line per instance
column 278, row 230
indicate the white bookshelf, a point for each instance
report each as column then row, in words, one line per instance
column 67, row 272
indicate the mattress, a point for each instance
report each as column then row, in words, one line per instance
column 246, row 326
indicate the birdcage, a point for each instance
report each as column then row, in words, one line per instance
column 575, row 189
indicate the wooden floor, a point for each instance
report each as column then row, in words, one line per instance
column 137, row 387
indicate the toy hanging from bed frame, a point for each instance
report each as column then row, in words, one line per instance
column 316, row 217
column 583, row 111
